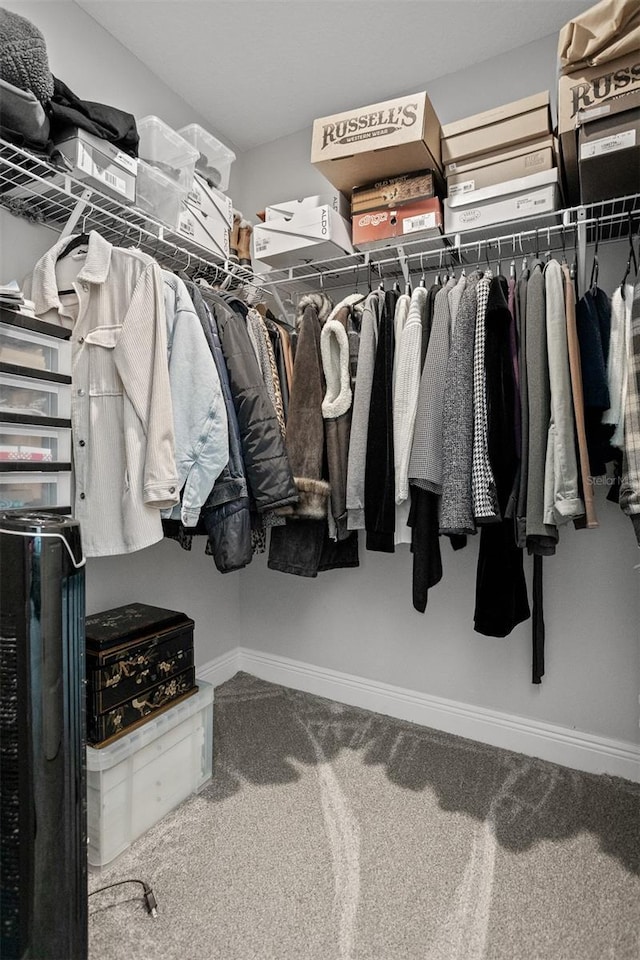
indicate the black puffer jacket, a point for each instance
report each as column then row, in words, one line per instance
column 265, row 458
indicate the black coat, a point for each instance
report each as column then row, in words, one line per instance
column 266, row 463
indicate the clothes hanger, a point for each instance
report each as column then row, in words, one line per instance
column 80, row 240
column 423, row 279
column 631, row 257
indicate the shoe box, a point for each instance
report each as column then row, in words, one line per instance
column 382, row 140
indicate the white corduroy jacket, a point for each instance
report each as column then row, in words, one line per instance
column 121, row 412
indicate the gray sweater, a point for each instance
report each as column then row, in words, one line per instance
column 456, row 516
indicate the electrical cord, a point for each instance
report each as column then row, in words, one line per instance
column 149, row 898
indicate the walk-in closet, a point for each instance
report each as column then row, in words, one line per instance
column 320, row 480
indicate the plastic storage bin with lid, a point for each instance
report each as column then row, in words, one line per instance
column 214, row 159
column 167, row 151
column 135, row 781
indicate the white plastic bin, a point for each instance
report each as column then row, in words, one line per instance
column 158, row 196
column 141, row 777
column 167, row 151
column 214, row 158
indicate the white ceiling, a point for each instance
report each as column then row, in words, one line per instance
column 258, row 70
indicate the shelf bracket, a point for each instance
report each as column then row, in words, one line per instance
column 404, row 264
column 76, row 213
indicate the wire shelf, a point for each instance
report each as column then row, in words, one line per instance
column 33, row 188
column 607, row 220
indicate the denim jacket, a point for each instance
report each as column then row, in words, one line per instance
column 199, row 412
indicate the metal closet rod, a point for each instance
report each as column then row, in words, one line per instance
column 505, row 244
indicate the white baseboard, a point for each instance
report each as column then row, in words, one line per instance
column 221, row 668
column 571, row 748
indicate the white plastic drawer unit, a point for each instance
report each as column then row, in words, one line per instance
column 135, row 781
column 27, row 348
column 35, row 397
column 31, row 443
column 35, row 490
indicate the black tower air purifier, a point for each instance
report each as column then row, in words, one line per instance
column 43, row 852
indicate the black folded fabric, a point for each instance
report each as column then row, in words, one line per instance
column 66, row 110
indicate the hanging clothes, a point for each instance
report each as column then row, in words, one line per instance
column 593, row 319
column 225, row 517
column 562, row 500
column 483, row 484
column 456, row 515
column 199, row 414
column 406, row 386
column 617, row 367
column 501, row 592
column 303, row 547
column 425, row 466
column 265, row 459
column 379, row 484
column 123, row 437
column 541, row 537
column 371, row 314
column 630, row 485
column 336, row 410
column 586, row 487
column 521, row 324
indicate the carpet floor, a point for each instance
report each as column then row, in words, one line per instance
column 333, row 833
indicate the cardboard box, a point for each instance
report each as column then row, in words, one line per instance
column 316, row 233
column 386, row 226
column 514, row 200
column 609, row 156
column 210, row 232
column 540, row 155
column 393, row 192
column 290, row 208
column 511, row 123
column 100, row 163
column 589, row 93
column 378, row 141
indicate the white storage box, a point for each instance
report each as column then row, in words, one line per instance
column 100, row 163
column 157, row 195
column 288, row 208
column 164, row 148
column 30, row 443
column 210, row 232
column 25, row 348
column 141, row 777
column 214, row 159
column 212, row 202
column 513, row 200
column 316, row 233
column 206, row 216
column 35, row 490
